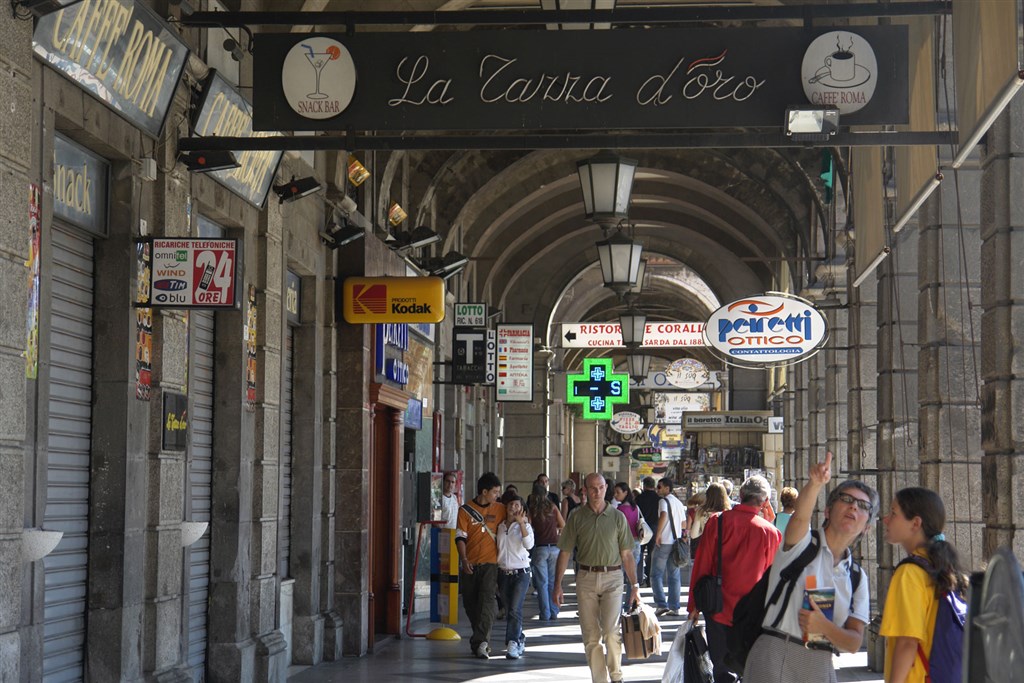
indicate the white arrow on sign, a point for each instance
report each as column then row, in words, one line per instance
column 609, row 335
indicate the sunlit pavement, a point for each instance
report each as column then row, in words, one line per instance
column 554, row 652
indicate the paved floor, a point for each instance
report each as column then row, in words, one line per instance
column 554, row 652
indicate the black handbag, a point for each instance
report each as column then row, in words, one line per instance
column 697, row 666
column 707, row 592
column 680, row 556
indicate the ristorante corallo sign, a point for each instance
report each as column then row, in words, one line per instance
column 119, row 51
column 628, row 78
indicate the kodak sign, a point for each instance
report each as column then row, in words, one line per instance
column 393, row 300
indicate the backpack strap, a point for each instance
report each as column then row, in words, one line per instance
column 789, row 575
column 479, row 519
column 927, row 567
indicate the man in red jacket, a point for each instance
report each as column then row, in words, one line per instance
column 749, row 543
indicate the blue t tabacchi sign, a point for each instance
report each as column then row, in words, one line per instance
column 598, row 389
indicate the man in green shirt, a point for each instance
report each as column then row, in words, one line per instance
column 604, row 549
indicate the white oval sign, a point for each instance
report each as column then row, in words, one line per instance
column 770, row 329
column 687, row 373
column 318, row 77
column 626, row 422
column 613, row 450
column 839, row 70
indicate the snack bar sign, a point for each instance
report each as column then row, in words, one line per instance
column 194, row 273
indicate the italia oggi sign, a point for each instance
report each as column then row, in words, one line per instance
column 766, row 330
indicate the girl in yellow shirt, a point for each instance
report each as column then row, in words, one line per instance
column 915, row 522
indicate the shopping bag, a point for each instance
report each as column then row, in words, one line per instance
column 674, row 663
column 635, row 644
column 697, row 666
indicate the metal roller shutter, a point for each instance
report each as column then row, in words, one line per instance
column 200, row 479
column 68, row 444
column 284, row 528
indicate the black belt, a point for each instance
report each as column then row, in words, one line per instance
column 826, row 647
column 544, row 545
column 513, row 572
column 600, row 569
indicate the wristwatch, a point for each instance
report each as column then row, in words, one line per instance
column 636, row 585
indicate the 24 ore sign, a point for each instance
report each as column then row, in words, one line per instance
column 194, row 273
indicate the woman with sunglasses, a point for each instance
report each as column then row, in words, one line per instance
column 780, row 652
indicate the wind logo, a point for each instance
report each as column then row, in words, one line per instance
column 370, row 298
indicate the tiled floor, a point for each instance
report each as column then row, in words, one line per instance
column 554, row 652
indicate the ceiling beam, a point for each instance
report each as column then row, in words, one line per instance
column 722, row 140
column 621, row 15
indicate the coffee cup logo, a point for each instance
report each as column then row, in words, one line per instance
column 839, row 70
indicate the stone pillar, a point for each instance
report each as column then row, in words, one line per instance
column 897, row 380
column 949, row 367
column 308, row 419
column 800, row 423
column 1002, row 361
column 271, row 648
column 329, row 477
column 526, row 426
column 231, row 650
column 586, row 451
column 837, row 388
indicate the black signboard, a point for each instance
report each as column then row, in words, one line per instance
column 544, row 80
column 469, row 355
column 118, row 50
column 175, row 427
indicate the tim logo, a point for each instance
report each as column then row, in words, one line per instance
column 370, row 299
column 170, row 285
column 754, row 307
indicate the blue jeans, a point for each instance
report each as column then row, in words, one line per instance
column 637, row 550
column 545, row 559
column 661, row 564
column 513, row 592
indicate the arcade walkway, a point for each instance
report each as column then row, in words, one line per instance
column 554, row 652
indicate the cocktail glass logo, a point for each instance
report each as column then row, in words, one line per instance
column 318, row 78
column 368, row 299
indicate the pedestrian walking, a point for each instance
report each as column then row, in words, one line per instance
column 783, row 653
column 547, row 524
column 515, row 538
column 476, row 537
column 604, row 546
column 671, row 515
column 787, row 498
column 627, row 506
column 715, row 501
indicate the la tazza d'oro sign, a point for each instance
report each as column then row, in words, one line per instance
column 393, row 300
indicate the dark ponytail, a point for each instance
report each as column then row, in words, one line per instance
column 920, row 502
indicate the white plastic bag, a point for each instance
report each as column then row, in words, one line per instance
column 674, row 664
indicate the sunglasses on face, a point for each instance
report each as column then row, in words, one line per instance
column 850, row 500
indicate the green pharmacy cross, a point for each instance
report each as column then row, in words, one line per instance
column 598, row 389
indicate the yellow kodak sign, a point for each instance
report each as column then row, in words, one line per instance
column 393, row 300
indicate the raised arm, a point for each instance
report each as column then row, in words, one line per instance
column 800, row 522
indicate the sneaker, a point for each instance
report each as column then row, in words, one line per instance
column 672, row 613
column 661, row 611
column 483, row 650
column 513, row 650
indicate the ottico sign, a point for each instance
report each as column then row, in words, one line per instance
column 769, row 329
column 393, row 300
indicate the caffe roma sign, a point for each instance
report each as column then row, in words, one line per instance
column 542, row 80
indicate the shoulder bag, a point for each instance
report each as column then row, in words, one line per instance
column 643, row 528
column 707, row 592
column 680, row 546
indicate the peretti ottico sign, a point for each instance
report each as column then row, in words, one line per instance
column 769, row 329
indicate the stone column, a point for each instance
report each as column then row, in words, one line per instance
column 231, row 650
column 329, row 450
column 526, row 426
column 897, row 380
column 1002, row 364
column 949, row 371
column 309, row 506
column 586, row 454
column 837, row 388
column 271, row 648
column 797, row 473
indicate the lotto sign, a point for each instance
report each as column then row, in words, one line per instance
column 194, row 273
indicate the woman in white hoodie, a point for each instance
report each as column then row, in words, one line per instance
column 515, row 538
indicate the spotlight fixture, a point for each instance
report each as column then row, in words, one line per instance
column 296, row 189
column 811, row 124
column 420, row 237
column 445, row 267
column 231, row 45
column 40, row 7
column 340, row 234
column 205, row 162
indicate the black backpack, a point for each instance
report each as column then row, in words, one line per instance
column 748, row 615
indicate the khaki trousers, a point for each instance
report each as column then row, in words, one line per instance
column 599, row 595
